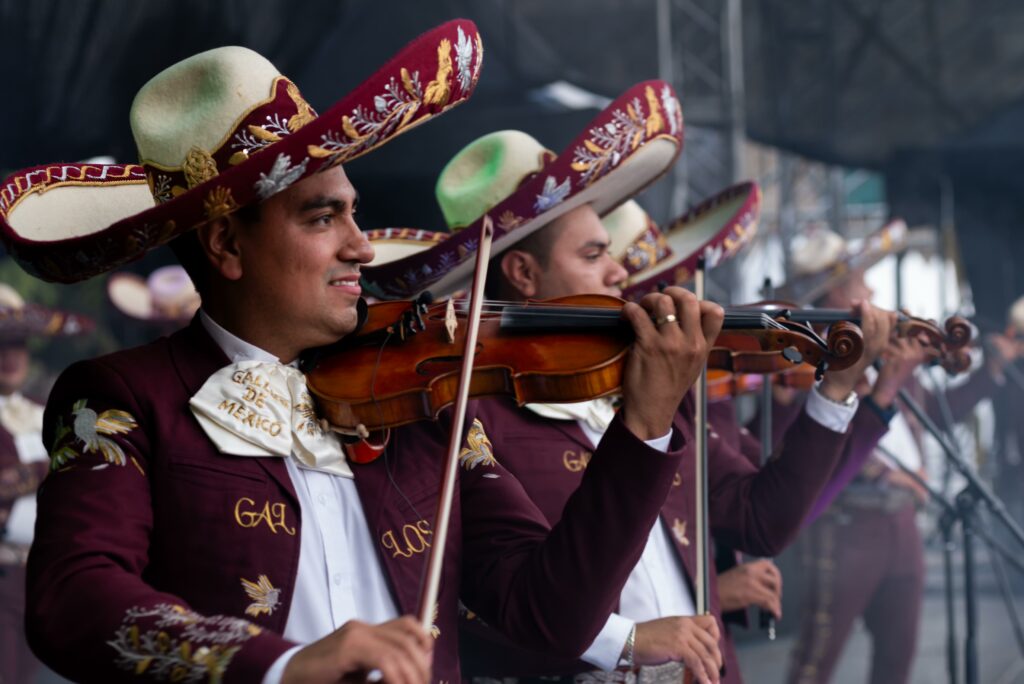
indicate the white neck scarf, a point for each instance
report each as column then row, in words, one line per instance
column 597, row 414
column 268, row 412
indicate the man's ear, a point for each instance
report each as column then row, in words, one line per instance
column 522, row 272
column 219, row 242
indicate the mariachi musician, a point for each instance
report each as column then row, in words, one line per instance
column 191, row 527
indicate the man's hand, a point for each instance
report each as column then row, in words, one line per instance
column 757, row 583
column 666, row 357
column 877, row 325
column 399, row 650
column 691, row 640
column 899, row 360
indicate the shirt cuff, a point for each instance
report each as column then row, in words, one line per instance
column 276, row 671
column 660, row 443
column 836, row 417
column 604, row 653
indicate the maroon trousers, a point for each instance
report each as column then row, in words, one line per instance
column 17, row 664
column 860, row 562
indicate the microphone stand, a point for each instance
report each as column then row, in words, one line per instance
column 765, row 619
column 967, row 500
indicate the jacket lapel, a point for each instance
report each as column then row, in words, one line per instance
column 196, row 357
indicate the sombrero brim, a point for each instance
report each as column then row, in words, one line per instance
column 59, row 226
column 625, row 148
column 716, row 229
column 889, row 239
column 33, row 320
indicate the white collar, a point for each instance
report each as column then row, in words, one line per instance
column 233, row 346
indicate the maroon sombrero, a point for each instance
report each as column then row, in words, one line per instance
column 522, row 186
column 716, row 229
column 215, row 132
column 20, row 321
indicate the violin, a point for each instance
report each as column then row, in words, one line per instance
column 947, row 344
column 402, row 363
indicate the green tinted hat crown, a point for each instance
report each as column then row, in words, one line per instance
column 485, row 172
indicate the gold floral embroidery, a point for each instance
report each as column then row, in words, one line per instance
column 609, row 144
column 265, row 596
column 219, row 202
column 304, row 113
column 199, row 167
column 438, row 91
column 91, row 429
column 507, row 221
column 478, row 450
column 655, row 123
column 183, row 647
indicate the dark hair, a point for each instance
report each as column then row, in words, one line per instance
column 192, row 257
column 538, row 245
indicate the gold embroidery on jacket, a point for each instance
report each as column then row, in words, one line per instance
column 574, row 462
column 92, row 430
column 478, row 450
column 247, row 515
column 265, row 596
column 414, row 539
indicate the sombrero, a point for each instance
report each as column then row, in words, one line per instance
column 19, row 321
column 823, row 260
column 716, row 229
column 167, row 295
column 523, row 186
column 218, row 131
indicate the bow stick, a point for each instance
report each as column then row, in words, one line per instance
column 428, row 597
column 702, row 580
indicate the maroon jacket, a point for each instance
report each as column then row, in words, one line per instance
column 138, row 563
column 754, row 510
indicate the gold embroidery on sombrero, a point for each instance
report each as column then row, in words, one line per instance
column 202, row 651
column 265, row 596
column 91, row 429
column 219, row 202
column 199, row 167
column 479, row 450
column 304, row 113
column 507, row 221
column 608, row 144
column 438, row 91
column 393, row 109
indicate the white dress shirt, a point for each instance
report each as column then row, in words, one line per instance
column 657, row 586
column 340, row 577
column 24, row 420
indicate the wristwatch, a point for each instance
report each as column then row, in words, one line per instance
column 626, row 658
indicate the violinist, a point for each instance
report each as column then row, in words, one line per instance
column 549, row 447
column 864, row 556
column 198, row 522
column 22, row 465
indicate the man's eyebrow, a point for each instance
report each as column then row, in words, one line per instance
column 323, row 202
column 599, row 244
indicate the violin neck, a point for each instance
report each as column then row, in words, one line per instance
column 532, row 318
column 812, row 316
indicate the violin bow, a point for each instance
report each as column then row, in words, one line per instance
column 431, row 586
column 702, row 580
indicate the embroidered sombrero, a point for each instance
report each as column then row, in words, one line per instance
column 215, row 132
column 522, row 186
column 824, row 259
column 167, row 295
column 20, row 321
column 716, row 229
column 636, row 241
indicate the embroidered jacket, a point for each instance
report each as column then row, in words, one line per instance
column 755, row 510
column 152, row 548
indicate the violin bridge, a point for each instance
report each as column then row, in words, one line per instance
column 450, row 321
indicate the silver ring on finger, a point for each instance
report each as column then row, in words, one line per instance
column 662, row 320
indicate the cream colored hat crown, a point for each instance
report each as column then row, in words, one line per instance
column 1017, row 315
column 624, row 226
column 819, row 250
column 196, row 103
column 9, row 297
column 484, row 173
